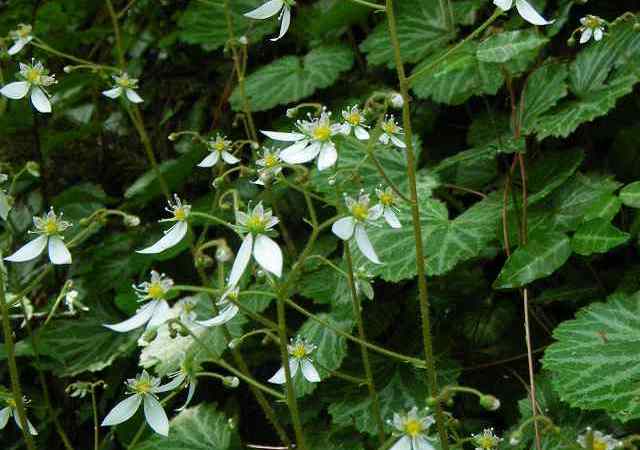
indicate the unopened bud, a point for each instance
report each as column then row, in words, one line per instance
column 243, row 40
column 131, row 221
column 217, row 182
column 489, row 402
column 231, row 382
column 571, row 42
column 203, row 260
column 33, row 168
column 223, row 253
column 636, row 26
column 233, row 343
column 255, row 145
column 67, row 69
column 396, row 100
column 515, row 438
column 431, row 401
column 149, row 335
column 173, row 332
column 172, row 137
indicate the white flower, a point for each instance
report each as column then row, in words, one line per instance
column 387, row 199
column 486, row 440
column 361, row 214
column 155, row 312
column 227, row 309
column 172, row 237
column 219, row 147
column 591, row 26
column 21, row 37
column 256, row 224
column 600, row 441
column 299, row 351
column 142, row 390
column 35, row 79
column 525, row 10
column 124, row 84
column 11, row 410
column 184, row 376
column 270, row 166
column 270, row 9
column 71, row 302
column 354, row 120
column 412, row 427
column 391, row 132
column 313, row 140
column 49, row 227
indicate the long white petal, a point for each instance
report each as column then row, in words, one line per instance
column 171, row 385
column 172, row 237
column 309, row 372
column 391, row 218
column 300, row 153
column 40, row 101
column 113, row 93
column 529, row 14
column 294, row 365
column 229, row 158
column 156, row 417
column 361, row 133
column 284, row 137
column 133, row 96
column 225, row 315
column 5, row 413
column 504, row 5
column 141, row 317
column 242, row 260
column 586, row 35
column 269, row 9
column 404, row 443
column 422, row 443
column 58, row 252
column 285, row 21
column 210, row 160
column 597, row 35
column 192, row 390
column 31, row 428
column 375, row 212
column 15, row 90
column 328, row 156
column 397, row 141
column 343, row 228
column 268, row 254
column 278, row 377
column 15, row 48
column 160, row 314
column 123, row 411
column 364, row 244
column 29, row 251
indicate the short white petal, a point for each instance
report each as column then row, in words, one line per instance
column 5, row 413
column 161, row 314
column 285, row 21
column 31, row 428
column 398, row 142
column 268, row 255
column 361, row 133
column 123, row 411
column 269, row 9
column 171, row 238
column 29, row 251
column 15, row 90
column 328, row 156
column 309, row 372
column 210, row 160
column 15, row 48
column 156, row 417
column 294, row 365
column 364, row 244
column 284, row 137
column 375, row 212
column 141, row 317
column 192, row 390
column 597, row 35
column 404, row 443
column 529, row 14
column 300, row 152
column 40, row 101
column 421, row 443
column 278, row 377
column 229, row 158
column 133, row 96
column 504, row 5
column 391, row 218
column 586, row 35
column 343, row 228
column 345, row 129
column 113, row 93
column 58, row 252
column 228, row 313
column 384, row 138
column 242, row 260
column 171, row 385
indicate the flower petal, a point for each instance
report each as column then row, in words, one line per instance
column 284, row 137
column 15, row 90
column 17, row 46
column 171, row 238
column 141, row 317
column 156, row 417
column 343, row 228
column 113, row 93
column 278, row 377
column 160, row 314
column 300, row 152
column 31, row 428
column 29, row 251
column 328, row 156
column 229, row 158
column 268, row 255
column 133, row 96
column 40, row 101
column 228, row 313
column 309, row 372
column 123, row 411
column 285, row 21
column 397, row 141
column 192, row 390
column 597, row 35
column 171, row 385
column 361, row 133
column 391, row 218
column 269, row 9
column 242, row 260
column 586, row 35
column 210, row 160
column 504, row 5
column 5, row 413
column 375, row 212
column 58, row 252
column 364, row 244
column 529, row 14
column 404, row 443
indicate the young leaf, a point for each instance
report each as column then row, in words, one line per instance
column 505, row 46
column 597, row 236
column 630, row 195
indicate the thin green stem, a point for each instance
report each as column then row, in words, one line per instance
column 96, row 424
column 374, row 138
column 417, row 227
column 222, row 363
column 357, row 312
column 43, row 46
column 116, row 32
column 213, row 219
column 369, row 4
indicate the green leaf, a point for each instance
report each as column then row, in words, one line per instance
column 292, row 78
column 630, row 195
column 597, row 236
column 505, row 46
column 83, row 344
column 204, row 23
column 421, row 30
column 538, row 258
column 199, row 428
column 594, row 361
column 544, row 88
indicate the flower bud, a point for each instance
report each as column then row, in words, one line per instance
column 67, row 69
column 431, row 401
column 223, row 253
column 571, row 42
column 231, row 382
column 515, row 438
column 292, row 113
column 489, row 402
column 131, row 221
column 203, row 261
column 172, row 137
column 243, row 40
column 636, row 26
column 33, row 168
column 149, row 335
column 233, row 343
column 255, row 145
column 396, row 100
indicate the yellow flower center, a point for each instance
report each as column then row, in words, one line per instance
column 155, row 291
column 255, row 224
column 270, row 161
column 180, row 214
column 322, row 133
column 599, row 444
column 23, row 32
column 51, row 226
column 33, row 75
column 486, row 442
column 219, row 146
column 11, row 403
column 354, row 118
column 413, row 427
column 124, row 82
column 386, row 199
column 360, row 211
column 592, row 22
column 299, row 351
column 142, row 387
column 389, row 127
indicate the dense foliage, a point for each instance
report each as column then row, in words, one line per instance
column 392, row 225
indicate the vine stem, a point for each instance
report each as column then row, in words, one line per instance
column 357, row 312
column 13, row 367
column 417, row 230
column 96, row 424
